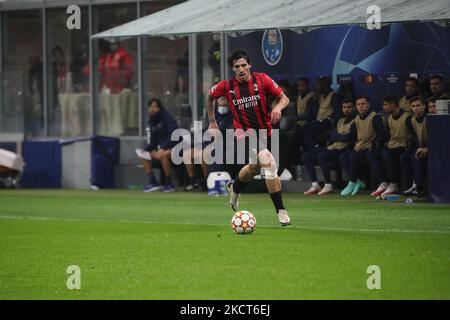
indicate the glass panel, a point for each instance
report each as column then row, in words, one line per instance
column 116, row 111
column 208, row 67
column 165, row 66
column 68, row 75
column 22, row 94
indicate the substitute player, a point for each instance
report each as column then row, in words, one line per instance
column 247, row 93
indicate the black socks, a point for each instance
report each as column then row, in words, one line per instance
column 238, row 185
column 277, row 200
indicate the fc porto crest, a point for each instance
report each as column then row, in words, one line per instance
column 272, row 46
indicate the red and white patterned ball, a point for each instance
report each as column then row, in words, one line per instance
column 243, row 222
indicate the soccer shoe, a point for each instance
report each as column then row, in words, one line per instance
column 327, row 189
column 151, row 187
column 234, row 197
column 411, row 191
column 348, row 189
column 168, row 187
column 312, row 190
column 283, row 217
column 358, row 186
column 381, row 188
column 391, row 189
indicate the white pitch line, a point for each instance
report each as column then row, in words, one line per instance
column 9, row 217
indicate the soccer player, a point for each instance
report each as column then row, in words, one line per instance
column 247, row 94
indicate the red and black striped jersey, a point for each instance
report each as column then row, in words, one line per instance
column 248, row 101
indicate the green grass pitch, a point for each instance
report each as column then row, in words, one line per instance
column 131, row 245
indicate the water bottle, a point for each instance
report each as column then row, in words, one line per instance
column 299, row 173
column 147, row 130
column 392, row 197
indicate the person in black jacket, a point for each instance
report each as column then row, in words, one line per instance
column 161, row 125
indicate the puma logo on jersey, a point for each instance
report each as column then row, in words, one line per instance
column 232, row 91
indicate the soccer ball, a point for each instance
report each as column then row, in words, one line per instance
column 243, row 222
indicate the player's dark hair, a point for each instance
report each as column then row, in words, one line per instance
column 418, row 98
column 362, row 97
column 437, row 76
column 391, row 99
column 157, row 101
column 236, row 55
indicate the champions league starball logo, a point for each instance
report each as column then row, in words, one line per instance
column 272, row 46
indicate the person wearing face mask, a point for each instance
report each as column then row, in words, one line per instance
column 115, row 68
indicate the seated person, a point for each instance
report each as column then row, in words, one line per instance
column 324, row 113
column 224, row 121
column 437, row 88
column 366, row 133
column 411, row 90
column 432, row 106
column 191, row 157
column 304, row 103
column 417, row 154
column 304, row 94
column 161, row 124
column 339, row 142
column 397, row 141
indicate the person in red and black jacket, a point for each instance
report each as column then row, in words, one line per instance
column 247, row 94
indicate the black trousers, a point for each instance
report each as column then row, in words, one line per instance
column 323, row 157
column 391, row 158
column 375, row 158
column 415, row 168
column 352, row 162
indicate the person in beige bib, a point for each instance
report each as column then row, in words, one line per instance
column 416, row 157
column 411, row 90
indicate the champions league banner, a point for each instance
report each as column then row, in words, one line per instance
column 378, row 61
